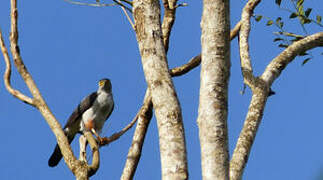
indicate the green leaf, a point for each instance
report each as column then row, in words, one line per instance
column 307, row 21
column 278, row 2
column 303, row 54
column 296, row 39
column 308, row 12
column 318, row 19
column 301, row 11
column 278, row 39
column 305, row 61
column 283, row 45
column 293, row 15
column 269, row 23
column 300, row 3
column 258, row 18
column 279, row 23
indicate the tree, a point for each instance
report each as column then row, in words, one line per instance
column 153, row 39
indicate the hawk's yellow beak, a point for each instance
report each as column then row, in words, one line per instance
column 101, row 83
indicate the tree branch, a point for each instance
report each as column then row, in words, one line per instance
column 143, row 121
column 124, row 8
column 37, row 100
column 248, row 133
column 90, row 4
column 260, row 90
column 107, row 140
column 246, row 66
column 7, row 75
column 134, row 154
column 261, row 87
column 91, row 170
column 168, row 20
column 278, row 64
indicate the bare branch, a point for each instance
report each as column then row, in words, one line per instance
column 235, row 31
column 134, row 154
column 168, row 21
column 7, row 75
column 278, row 64
column 145, row 111
column 246, row 66
column 38, row 100
column 124, row 8
column 194, row 62
column 115, row 136
column 118, row 2
column 128, row 2
column 91, row 4
column 261, row 89
column 95, row 154
column 248, row 133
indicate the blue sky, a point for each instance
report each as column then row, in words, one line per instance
column 68, row 48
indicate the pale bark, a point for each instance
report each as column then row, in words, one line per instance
column 164, row 98
column 213, row 104
column 260, row 86
column 260, row 89
column 248, row 133
column 168, row 20
column 134, row 154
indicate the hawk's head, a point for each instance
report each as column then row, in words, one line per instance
column 105, row 84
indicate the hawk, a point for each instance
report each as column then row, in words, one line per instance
column 90, row 115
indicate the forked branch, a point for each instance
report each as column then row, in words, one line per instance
column 37, row 99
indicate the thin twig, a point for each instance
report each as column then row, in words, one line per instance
column 7, row 75
column 91, row 4
column 125, row 12
column 115, row 136
column 128, row 2
column 122, row 5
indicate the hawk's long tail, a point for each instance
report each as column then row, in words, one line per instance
column 57, row 155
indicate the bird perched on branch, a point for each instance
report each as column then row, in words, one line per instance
column 89, row 115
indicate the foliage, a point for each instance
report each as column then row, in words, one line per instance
column 286, row 38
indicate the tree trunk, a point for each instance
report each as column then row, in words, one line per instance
column 213, row 107
column 164, row 98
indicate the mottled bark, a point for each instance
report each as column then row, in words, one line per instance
column 213, row 105
column 248, row 133
column 260, row 86
column 246, row 67
column 134, row 154
column 164, row 98
column 168, row 20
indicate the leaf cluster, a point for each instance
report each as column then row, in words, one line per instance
column 286, row 38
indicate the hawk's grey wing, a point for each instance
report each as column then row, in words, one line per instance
column 108, row 115
column 72, row 126
column 86, row 103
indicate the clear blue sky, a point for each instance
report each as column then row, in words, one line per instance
column 68, row 48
